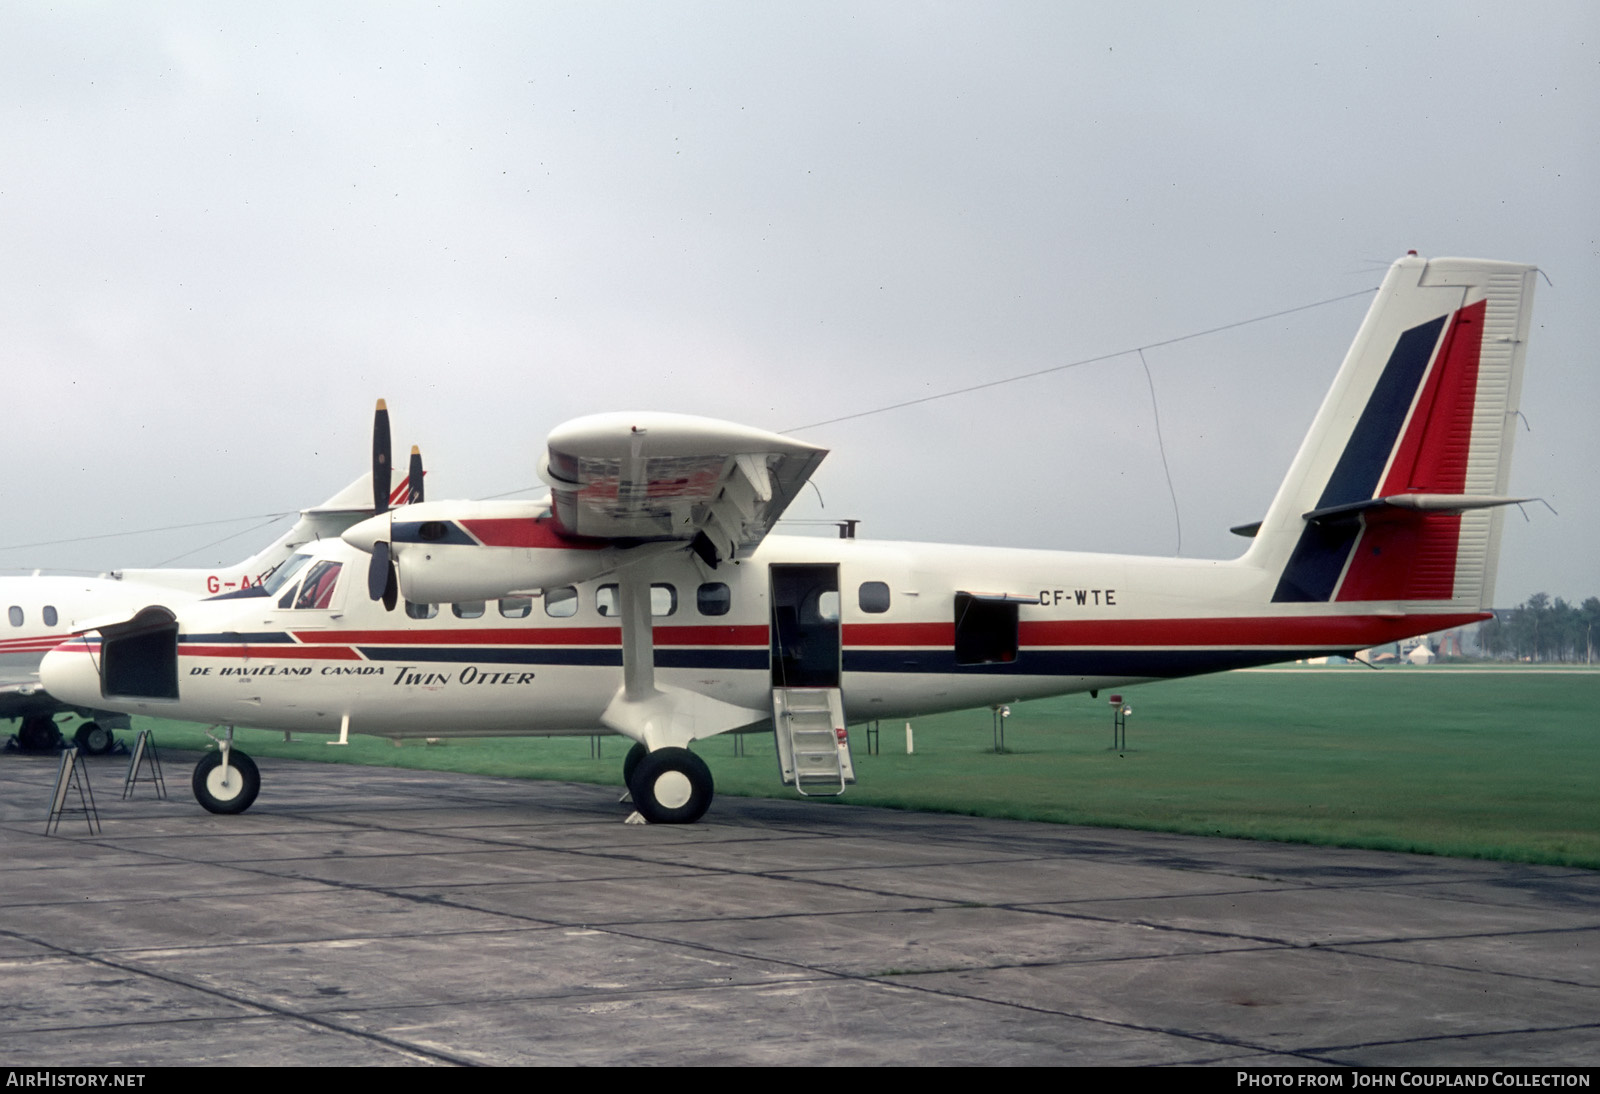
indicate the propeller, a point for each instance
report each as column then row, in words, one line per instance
column 382, row 459
column 414, row 495
column 383, row 581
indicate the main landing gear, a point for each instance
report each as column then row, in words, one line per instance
column 669, row 785
column 94, row 739
column 38, row 733
column 226, row 781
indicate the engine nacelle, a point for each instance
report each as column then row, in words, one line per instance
column 444, row 573
column 446, row 551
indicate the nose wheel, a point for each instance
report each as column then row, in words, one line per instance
column 670, row 786
column 226, row 790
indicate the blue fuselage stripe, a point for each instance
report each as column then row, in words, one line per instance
column 925, row 660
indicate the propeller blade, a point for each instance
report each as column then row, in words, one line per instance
column 382, row 460
column 416, row 476
column 380, row 571
column 391, row 588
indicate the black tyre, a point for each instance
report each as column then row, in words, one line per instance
column 630, row 763
column 38, row 733
column 233, row 794
column 94, row 739
column 671, row 786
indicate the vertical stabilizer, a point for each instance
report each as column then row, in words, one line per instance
column 1398, row 492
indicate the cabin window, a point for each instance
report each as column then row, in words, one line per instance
column 468, row 609
column 873, row 597
column 15, row 614
column 561, row 603
column 317, row 590
column 713, row 598
column 50, row 616
column 287, row 599
column 986, row 630
column 421, row 611
column 516, row 607
column 663, row 600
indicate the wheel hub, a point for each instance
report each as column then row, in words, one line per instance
column 672, row 789
column 224, row 787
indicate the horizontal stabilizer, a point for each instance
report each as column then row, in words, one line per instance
column 1422, row 503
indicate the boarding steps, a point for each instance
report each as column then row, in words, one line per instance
column 813, row 747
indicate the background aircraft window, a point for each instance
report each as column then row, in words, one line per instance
column 713, row 598
column 468, row 609
column 317, row 591
column 605, row 600
column 561, row 603
column 874, row 597
column 49, row 616
column 16, row 616
column 516, row 607
column 421, row 611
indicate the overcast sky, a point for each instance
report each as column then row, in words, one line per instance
column 228, row 228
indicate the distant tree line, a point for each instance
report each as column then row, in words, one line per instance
column 1542, row 629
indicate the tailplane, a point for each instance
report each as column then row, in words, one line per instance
column 1398, row 492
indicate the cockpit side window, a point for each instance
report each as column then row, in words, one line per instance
column 280, row 577
column 317, row 590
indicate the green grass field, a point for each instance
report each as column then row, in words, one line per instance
column 1498, row 764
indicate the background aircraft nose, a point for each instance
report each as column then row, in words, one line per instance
column 68, row 673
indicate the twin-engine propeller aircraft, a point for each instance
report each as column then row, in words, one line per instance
column 43, row 609
column 647, row 596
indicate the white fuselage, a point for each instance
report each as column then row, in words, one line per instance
column 888, row 636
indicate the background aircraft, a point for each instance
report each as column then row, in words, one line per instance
column 43, row 609
column 647, row 596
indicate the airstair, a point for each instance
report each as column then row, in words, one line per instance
column 813, row 747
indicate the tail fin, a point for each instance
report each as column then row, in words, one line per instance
column 1397, row 493
column 325, row 521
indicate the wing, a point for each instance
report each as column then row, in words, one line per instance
column 642, row 477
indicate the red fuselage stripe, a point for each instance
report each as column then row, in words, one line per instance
column 1306, row 632
column 270, row 651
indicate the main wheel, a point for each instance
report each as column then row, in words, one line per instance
column 232, row 794
column 671, row 786
column 38, row 733
column 630, row 763
column 94, row 739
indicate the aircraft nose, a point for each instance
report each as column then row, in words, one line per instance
column 68, row 671
column 362, row 536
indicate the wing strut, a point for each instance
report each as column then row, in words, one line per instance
column 658, row 714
